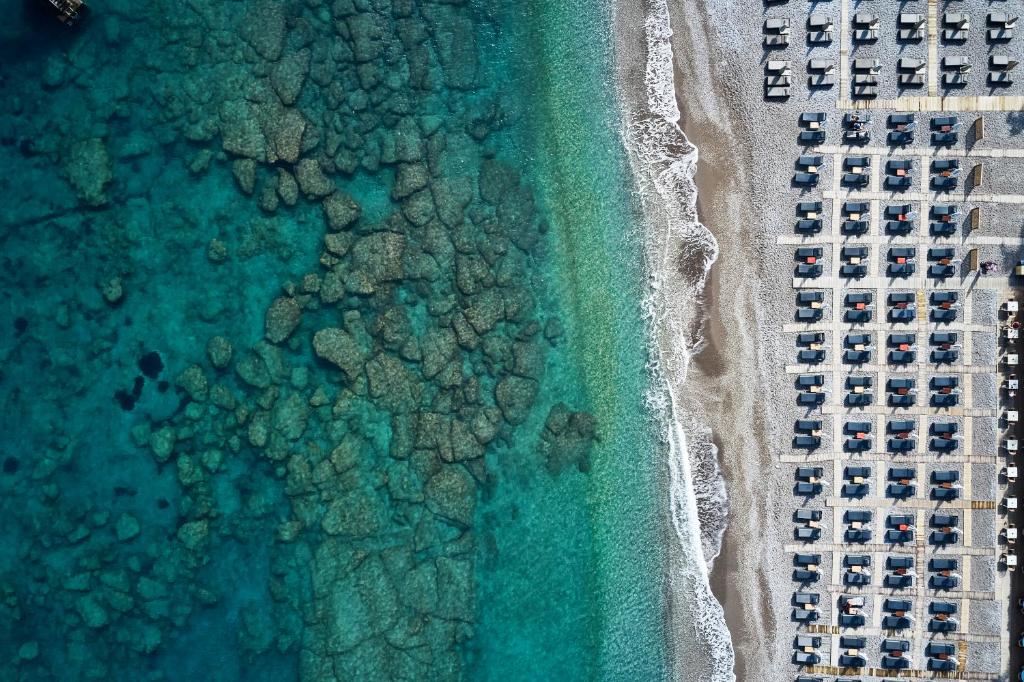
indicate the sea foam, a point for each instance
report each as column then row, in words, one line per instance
column 679, row 253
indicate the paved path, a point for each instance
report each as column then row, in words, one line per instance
column 928, row 153
column 952, row 104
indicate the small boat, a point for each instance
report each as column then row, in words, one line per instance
column 68, row 12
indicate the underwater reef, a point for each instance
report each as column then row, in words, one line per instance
column 277, row 309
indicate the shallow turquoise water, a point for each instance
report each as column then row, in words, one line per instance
column 405, row 440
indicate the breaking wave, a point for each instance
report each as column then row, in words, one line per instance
column 679, row 253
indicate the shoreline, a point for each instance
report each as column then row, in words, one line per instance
column 732, row 356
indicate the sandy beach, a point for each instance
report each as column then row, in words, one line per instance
column 740, row 336
column 734, row 384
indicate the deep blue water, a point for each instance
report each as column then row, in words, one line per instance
column 297, row 347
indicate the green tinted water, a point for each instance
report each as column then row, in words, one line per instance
column 576, row 592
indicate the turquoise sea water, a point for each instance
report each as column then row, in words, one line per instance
column 323, row 353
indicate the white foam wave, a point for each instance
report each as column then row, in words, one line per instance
column 679, row 255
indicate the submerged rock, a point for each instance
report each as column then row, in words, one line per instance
column 282, row 318
column 451, row 493
column 126, row 527
column 312, row 180
column 341, row 210
column 567, row 439
column 515, row 396
column 339, row 348
column 89, row 170
column 289, row 75
column 219, row 350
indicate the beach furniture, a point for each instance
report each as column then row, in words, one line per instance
column 956, row 79
column 806, row 598
column 1000, row 79
column 808, row 254
column 810, row 474
column 776, row 32
column 806, row 575
column 865, row 27
column 808, row 226
column 910, row 26
column 810, row 356
column 856, row 120
column 942, row 297
column 944, row 428
column 942, row 607
column 810, row 338
column 895, row 662
column 1001, row 27
column 805, row 179
column 891, row 646
column 809, row 209
column 856, row 164
column 851, row 271
column 856, row 357
column 808, row 137
column 942, row 538
column 807, row 515
column 955, row 26
column 942, row 625
column 941, row 271
column 901, row 297
column 810, row 380
column 941, row 253
column 867, row 66
column 812, row 426
column 943, row 444
column 854, row 179
column 945, row 212
column 809, row 162
column 820, row 29
column 804, row 615
column 857, row 341
column 942, row 664
column 941, row 183
column 911, row 80
column 945, row 165
column 812, row 120
column 1001, row 62
column 899, row 167
column 944, row 139
column 857, row 316
column 806, row 534
column 806, row 642
column 945, row 520
column 820, row 73
column 896, row 623
column 943, row 582
column 856, row 137
column 857, row 560
column 854, row 227
column 901, row 254
column 851, row 642
column 807, row 560
column 808, row 271
column 901, row 342
column 946, row 123
column 857, row 516
column 899, row 227
column 802, row 658
column 859, row 298
column 945, row 476
column 909, row 65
